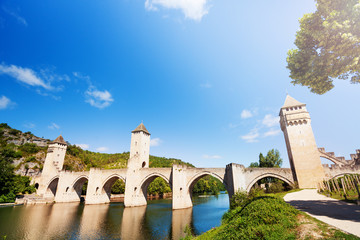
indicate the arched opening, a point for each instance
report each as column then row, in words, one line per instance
column 36, row 185
column 270, row 184
column 207, row 184
column 143, row 164
column 52, row 187
column 80, row 188
column 114, row 188
column 156, row 187
column 208, row 193
column 326, row 161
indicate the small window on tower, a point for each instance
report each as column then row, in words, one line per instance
column 135, row 143
column 143, row 164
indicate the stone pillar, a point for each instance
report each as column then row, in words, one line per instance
column 181, row 193
column 95, row 193
column 235, row 178
column 134, row 194
column 64, row 192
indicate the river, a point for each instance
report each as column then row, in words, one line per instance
column 111, row 221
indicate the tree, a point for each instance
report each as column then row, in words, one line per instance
column 272, row 159
column 328, row 45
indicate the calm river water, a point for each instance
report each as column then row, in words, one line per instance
column 111, row 221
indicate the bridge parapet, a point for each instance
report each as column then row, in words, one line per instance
column 333, row 170
column 341, row 161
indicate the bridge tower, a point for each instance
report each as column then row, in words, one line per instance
column 302, row 150
column 139, row 148
column 53, row 164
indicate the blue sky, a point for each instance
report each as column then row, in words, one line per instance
column 207, row 78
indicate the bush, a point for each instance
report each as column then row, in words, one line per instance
column 29, row 148
column 261, row 218
column 275, row 187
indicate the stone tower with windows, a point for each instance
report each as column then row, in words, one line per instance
column 139, row 148
column 302, row 150
column 53, row 164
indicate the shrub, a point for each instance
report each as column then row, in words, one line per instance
column 261, row 218
column 29, row 148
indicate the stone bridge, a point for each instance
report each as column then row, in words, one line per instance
column 67, row 186
column 304, row 157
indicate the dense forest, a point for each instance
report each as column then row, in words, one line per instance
column 20, row 159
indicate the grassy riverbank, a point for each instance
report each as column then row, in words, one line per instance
column 269, row 217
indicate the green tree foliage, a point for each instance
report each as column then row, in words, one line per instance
column 208, row 184
column 29, row 148
column 118, row 187
column 11, row 184
column 272, row 159
column 158, row 187
column 327, row 46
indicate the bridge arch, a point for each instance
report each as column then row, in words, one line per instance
column 191, row 183
column 264, row 175
column 52, row 186
column 77, row 185
column 342, row 174
column 108, row 183
column 331, row 159
column 148, row 179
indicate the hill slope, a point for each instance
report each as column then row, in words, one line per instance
column 31, row 152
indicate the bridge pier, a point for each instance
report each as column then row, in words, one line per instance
column 68, row 190
column 181, row 196
column 134, row 192
column 95, row 193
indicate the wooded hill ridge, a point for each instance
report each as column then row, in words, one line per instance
column 31, row 152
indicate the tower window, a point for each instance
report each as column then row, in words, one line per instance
column 287, row 109
column 135, row 143
column 143, row 164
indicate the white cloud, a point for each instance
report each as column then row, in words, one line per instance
column 5, row 103
column 272, row 132
column 83, row 146
column 102, row 149
column 252, row 136
column 270, row 120
column 206, row 85
column 54, row 126
column 16, row 16
column 155, row 142
column 211, row 156
column 246, row 114
column 29, row 125
column 192, row 9
column 25, row 75
column 98, row 99
column 82, row 76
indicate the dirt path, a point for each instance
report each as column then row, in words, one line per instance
column 342, row 215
